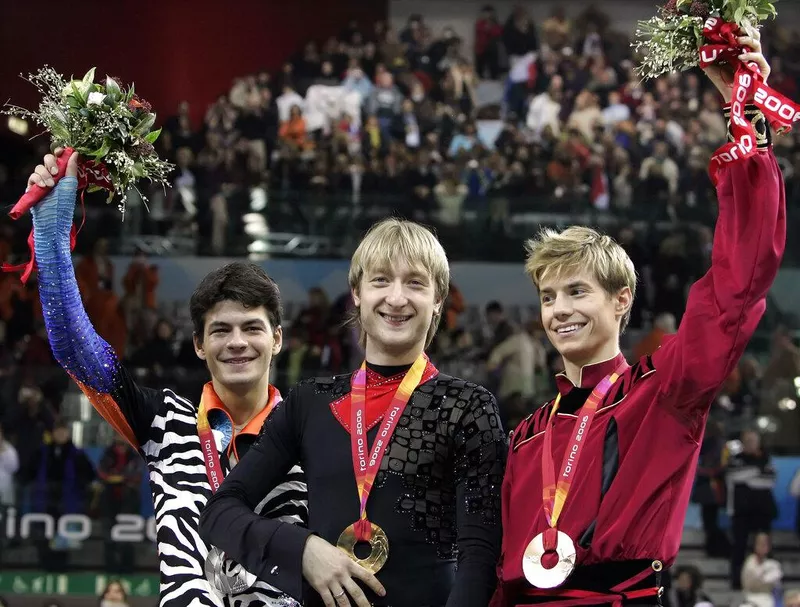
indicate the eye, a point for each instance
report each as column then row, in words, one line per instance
column 379, row 280
column 578, row 291
column 546, row 299
column 253, row 329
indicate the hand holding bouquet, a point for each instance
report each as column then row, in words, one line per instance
column 723, row 38
column 671, row 40
column 110, row 128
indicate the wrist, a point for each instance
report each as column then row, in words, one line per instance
column 755, row 117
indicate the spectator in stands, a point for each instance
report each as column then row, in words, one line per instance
column 114, row 595
column 663, row 325
column 761, row 574
column 750, row 479
column 9, row 464
column 293, row 133
column 513, row 362
column 500, row 328
column 686, row 590
column 140, row 283
column 60, row 475
column 709, row 489
column 120, row 475
column 29, row 419
column 159, row 353
column 488, row 32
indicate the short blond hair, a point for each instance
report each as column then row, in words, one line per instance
column 579, row 249
column 392, row 240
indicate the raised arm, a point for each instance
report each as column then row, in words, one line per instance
column 77, row 347
column 725, row 306
column 481, row 451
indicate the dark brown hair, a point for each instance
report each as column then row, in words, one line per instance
column 242, row 282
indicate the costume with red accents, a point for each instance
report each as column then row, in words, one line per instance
column 159, row 424
column 629, row 493
column 435, row 494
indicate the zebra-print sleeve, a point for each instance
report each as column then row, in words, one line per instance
column 77, row 347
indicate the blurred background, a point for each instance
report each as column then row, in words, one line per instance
column 294, row 126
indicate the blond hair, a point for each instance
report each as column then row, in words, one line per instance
column 395, row 240
column 578, row 249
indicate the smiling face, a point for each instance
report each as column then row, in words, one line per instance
column 581, row 319
column 396, row 306
column 399, row 276
column 238, row 344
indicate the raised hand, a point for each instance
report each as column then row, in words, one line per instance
column 43, row 174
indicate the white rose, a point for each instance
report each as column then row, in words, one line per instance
column 96, row 98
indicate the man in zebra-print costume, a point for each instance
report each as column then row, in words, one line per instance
column 236, row 314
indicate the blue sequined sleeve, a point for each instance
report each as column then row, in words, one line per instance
column 84, row 355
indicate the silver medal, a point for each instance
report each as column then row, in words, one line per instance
column 226, row 576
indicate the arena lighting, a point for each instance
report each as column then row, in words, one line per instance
column 797, row 385
column 77, row 433
column 18, row 126
column 258, row 246
column 766, row 424
column 787, row 404
column 258, row 199
column 255, row 225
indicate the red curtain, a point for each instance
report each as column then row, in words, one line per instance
column 172, row 49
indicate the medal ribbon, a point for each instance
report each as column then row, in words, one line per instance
column 554, row 493
column 366, row 470
column 208, row 446
column 747, row 84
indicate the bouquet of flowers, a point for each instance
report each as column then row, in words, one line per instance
column 109, row 125
column 671, row 40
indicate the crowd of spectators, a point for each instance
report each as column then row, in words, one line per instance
column 545, row 116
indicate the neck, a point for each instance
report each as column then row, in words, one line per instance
column 387, row 358
column 572, row 368
column 243, row 404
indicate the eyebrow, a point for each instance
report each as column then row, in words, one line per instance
column 572, row 285
column 218, row 324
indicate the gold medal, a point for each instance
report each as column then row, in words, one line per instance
column 378, row 543
column 543, row 577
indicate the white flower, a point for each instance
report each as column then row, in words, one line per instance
column 96, row 98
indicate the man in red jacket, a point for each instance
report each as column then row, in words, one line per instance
column 598, row 480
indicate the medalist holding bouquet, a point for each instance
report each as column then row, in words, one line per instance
column 718, row 34
column 108, row 125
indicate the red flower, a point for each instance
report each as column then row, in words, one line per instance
column 700, row 9
column 137, row 103
column 671, row 8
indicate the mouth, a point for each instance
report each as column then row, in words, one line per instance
column 571, row 329
column 237, row 362
column 395, row 320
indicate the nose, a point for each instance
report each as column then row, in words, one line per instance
column 237, row 340
column 562, row 306
column 396, row 297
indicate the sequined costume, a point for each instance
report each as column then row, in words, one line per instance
column 161, row 425
column 436, row 495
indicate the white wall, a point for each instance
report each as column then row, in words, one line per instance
column 461, row 14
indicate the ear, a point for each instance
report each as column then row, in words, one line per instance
column 356, row 298
column 437, row 306
column 198, row 347
column 277, row 336
column 623, row 302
